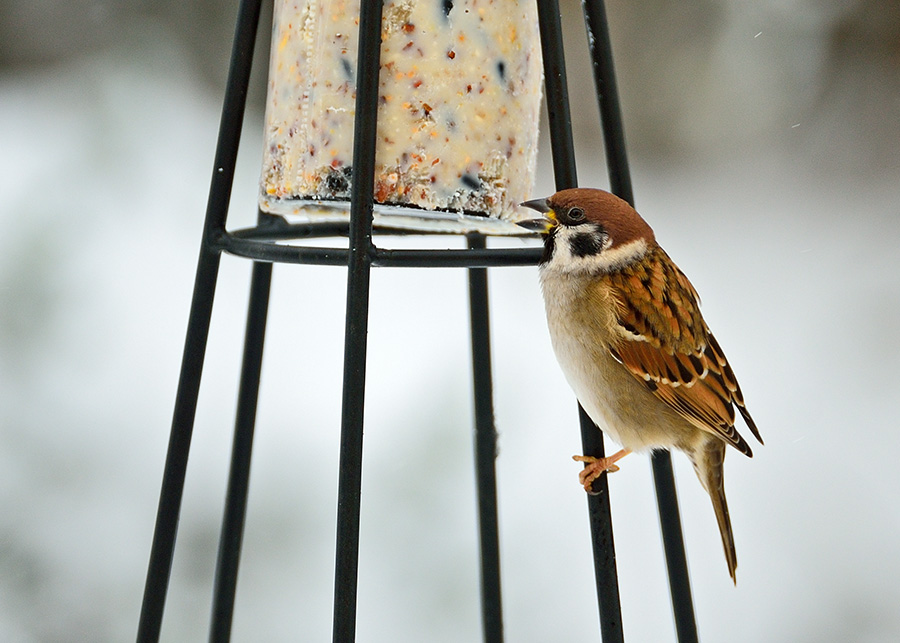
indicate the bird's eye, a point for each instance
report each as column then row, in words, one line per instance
column 576, row 215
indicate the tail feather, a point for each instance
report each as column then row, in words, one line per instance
column 709, row 464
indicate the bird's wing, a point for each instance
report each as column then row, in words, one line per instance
column 666, row 345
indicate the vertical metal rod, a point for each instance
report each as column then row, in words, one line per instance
column 485, row 451
column 558, row 114
column 358, row 272
column 620, row 184
column 599, row 512
column 608, row 98
column 239, row 474
column 606, row 574
column 673, row 543
column 163, row 547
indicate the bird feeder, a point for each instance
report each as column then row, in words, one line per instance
column 459, row 99
column 403, row 116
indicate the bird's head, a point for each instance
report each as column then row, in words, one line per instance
column 589, row 230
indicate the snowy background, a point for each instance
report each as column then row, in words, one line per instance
column 765, row 140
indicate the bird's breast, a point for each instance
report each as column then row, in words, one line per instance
column 581, row 317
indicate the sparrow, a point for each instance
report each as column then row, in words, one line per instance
column 626, row 328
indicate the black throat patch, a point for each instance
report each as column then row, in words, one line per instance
column 549, row 245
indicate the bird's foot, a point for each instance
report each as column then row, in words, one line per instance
column 596, row 467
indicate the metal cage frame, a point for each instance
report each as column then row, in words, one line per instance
column 259, row 243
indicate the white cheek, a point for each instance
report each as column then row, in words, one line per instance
column 622, row 255
column 605, row 261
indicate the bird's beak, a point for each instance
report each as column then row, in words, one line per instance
column 543, row 224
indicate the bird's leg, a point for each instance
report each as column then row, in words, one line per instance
column 595, row 467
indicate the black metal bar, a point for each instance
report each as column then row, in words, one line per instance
column 271, row 227
column 620, row 184
column 471, row 258
column 358, row 272
column 239, row 474
column 606, row 574
column 163, row 547
column 485, row 451
column 599, row 511
column 381, row 257
column 275, row 227
column 673, row 543
column 558, row 114
column 608, row 98
column 272, row 252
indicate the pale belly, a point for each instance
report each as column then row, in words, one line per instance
column 615, row 400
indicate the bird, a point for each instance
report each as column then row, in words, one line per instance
column 626, row 329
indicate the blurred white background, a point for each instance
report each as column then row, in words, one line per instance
column 765, row 142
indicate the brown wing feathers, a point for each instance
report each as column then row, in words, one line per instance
column 733, row 386
column 668, row 347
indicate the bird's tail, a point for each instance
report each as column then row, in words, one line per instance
column 709, row 463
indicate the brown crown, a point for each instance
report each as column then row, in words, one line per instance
column 620, row 220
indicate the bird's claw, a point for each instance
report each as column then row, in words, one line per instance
column 594, row 468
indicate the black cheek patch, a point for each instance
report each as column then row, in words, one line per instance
column 585, row 244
